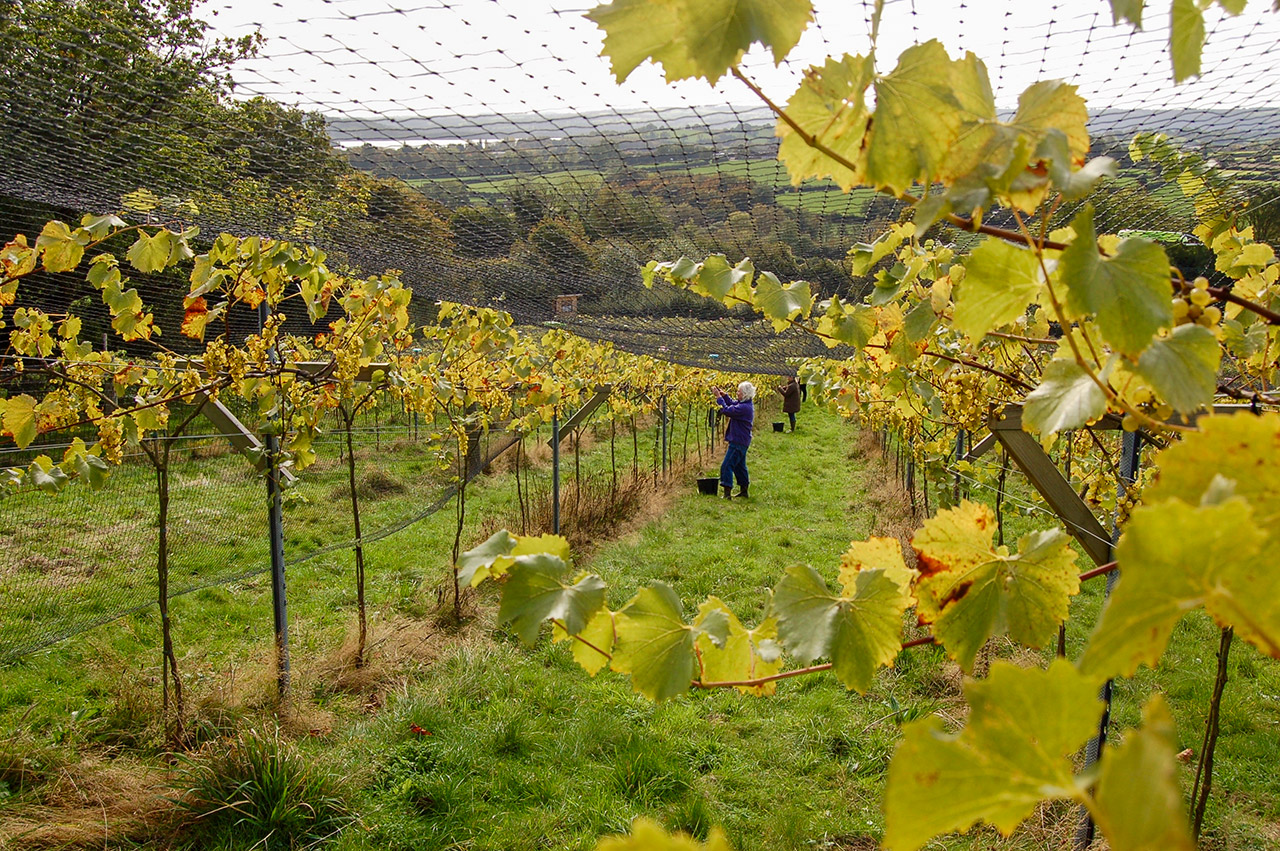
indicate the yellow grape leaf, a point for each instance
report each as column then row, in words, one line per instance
column 877, row 554
column 647, row 835
column 1138, row 804
column 60, row 249
column 747, row 654
column 830, row 105
column 971, row 592
column 19, row 419
column 1024, row 726
column 597, row 639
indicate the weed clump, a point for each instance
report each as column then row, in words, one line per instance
column 257, row 790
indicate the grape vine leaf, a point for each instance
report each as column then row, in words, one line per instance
column 475, row 565
column 18, row 415
column 1130, row 293
column 1135, row 816
column 151, row 253
column 1183, row 367
column 779, row 302
column 971, row 592
column 1176, row 557
column 1067, row 397
column 697, row 38
column 877, row 554
column 830, row 106
column 1000, row 281
column 654, row 644
column 62, row 251
column 859, row 629
column 538, row 589
column 851, row 324
column 1245, row 452
column 648, row 835
column 921, row 107
column 594, row 650
column 1127, row 10
column 1015, row 751
column 747, row 654
column 1186, row 38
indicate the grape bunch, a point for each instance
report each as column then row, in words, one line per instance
column 964, row 398
column 1196, row 306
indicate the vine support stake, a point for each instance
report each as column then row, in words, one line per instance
column 555, row 473
column 275, row 525
column 1130, row 452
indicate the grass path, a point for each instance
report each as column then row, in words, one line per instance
column 527, row 751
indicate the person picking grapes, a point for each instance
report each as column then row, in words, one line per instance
column 741, row 414
column 790, row 399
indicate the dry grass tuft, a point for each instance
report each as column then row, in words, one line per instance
column 94, row 804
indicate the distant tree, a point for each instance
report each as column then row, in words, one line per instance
column 482, row 231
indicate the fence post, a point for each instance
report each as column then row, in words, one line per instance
column 1130, row 452
column 555, row 473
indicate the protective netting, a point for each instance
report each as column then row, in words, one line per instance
column 81, row 558
column 483, row 147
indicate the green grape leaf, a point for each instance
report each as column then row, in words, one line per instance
column 921, row 107
column 92, row 470
column 1173, row 558
column 595, row 648
column 971, row 592
column 536, row 590
column 697, row 38
column 99, row 227
column 851, row 324
column 654, row 644
column 779, row 302
column 1183, row 367
column 475, row 565
column 1130, row 293
column 18, row 415
column 1186, row 38
column 61, row 250
column 1055, row 105
column 151, row 253
column 1067, row 397
column 1000, row 281
column 1127, row 10
column 740, row 656
column 1138, row 804
column 1024, row 726
column 830, row 106
column 859, row 629
column 648, row 835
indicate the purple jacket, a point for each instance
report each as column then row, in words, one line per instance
column 741, row 415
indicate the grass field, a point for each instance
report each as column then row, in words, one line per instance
column 464, row 738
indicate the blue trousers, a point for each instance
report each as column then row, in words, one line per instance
column 734, row 463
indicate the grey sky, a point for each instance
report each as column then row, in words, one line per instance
column 429, row 57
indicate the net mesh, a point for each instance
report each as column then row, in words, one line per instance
column 483, row 147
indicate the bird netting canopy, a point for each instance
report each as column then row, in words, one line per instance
column 485, row 149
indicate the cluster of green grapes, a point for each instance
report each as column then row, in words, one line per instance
column 1102, row 492
column 1196, row 308
column 964, row 398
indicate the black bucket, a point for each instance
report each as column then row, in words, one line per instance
column 708, row 487
column 778, row 426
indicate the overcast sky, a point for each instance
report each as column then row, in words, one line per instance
column 431, row 57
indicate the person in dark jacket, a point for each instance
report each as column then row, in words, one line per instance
column 741, row 414
column 790, row 399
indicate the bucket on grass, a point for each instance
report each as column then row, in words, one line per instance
column 708, row 486
column 777, row 426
